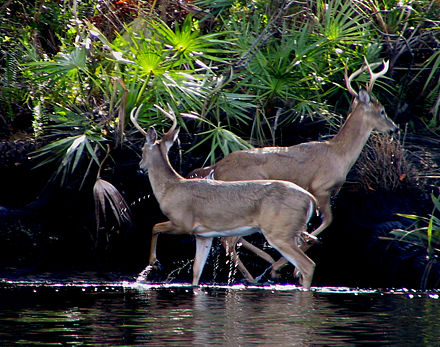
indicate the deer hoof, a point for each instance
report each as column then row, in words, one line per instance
column 265, row 277
column 156, row 264
column 308, row 239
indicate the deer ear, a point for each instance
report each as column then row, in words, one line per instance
column 151, row 136
column 363, row 96
column 171, row 138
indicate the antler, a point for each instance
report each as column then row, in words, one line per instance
column 171, row 116
column 134, row 116
column 362, row 69
column 349, row 79
column 375, row 76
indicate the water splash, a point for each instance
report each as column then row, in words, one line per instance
column 173, row 274
column 102, row 286
column 144, row 274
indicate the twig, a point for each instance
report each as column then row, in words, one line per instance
column 5, row 5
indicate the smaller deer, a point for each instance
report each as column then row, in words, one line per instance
column 208, row 208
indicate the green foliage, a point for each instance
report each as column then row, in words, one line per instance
column 296, row 66
column 189, row 45
column 220, row 138
column 265, row 65
column 409, row 32
column 426, row 230
column 68, row 151
column 425, row 233
column 339, row 23
column 243, row 71
column 155, row 65
column 10, row 90
column 287, row 61
column 36, row 27
column 432, row 87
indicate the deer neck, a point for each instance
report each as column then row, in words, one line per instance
column 161, row 173
column 351, row 138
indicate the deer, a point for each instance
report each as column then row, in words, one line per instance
column 319, row 167
column 209, row 208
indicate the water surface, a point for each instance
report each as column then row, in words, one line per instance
column 130, row 313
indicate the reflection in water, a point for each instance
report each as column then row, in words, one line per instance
column 261, row 317
column 130, row 314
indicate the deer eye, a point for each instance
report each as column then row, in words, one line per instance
column 382, row 113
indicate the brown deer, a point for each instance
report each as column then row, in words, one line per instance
column 208, row 208
column 319, row 167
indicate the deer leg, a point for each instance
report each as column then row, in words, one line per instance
column 262, row 254
column 326, row 213
column 280, row 263
column 203, row 246
column 154, row 235
column 229, row 245
column 326, row 217
column 161, row 228
column 308, row 239
column 289, row 249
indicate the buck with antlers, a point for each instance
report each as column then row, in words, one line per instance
column 319, row 167
column 208, row 208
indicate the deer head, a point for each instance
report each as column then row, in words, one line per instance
column 372, row 109
column 152, row 144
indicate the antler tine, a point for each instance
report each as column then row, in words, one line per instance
column 171, row 116
column 348, row 80
column 134, row 114
column 375, row 76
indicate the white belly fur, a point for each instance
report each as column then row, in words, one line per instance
column 242, row 231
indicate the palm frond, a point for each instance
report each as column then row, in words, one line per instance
column 104, row 194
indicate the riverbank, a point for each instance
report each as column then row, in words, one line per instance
column 48, row 227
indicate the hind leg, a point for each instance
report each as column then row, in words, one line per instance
column 286, row 244
column 229, row 245
column 308, row 240
column 326, row 217
column 262, row 254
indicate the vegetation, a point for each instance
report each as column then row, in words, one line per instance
column 426, row 230
column 383, row 165
column 424, row 233
column 237, row 72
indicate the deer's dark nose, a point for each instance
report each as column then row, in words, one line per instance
column 394, row 130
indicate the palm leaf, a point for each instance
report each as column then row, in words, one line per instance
column 105, row 193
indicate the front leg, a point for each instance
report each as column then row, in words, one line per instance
column 161, row 228
column 203, row 246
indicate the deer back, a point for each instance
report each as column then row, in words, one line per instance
column 221, row 205
column 319, row 167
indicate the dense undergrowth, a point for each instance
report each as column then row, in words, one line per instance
column 238, row 74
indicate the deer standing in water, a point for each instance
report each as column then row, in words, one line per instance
column 208, row 208
column 318, row 167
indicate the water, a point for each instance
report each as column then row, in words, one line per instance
column 130, row 313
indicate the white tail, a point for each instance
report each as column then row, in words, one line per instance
column 208, row 208
column 319, row 167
